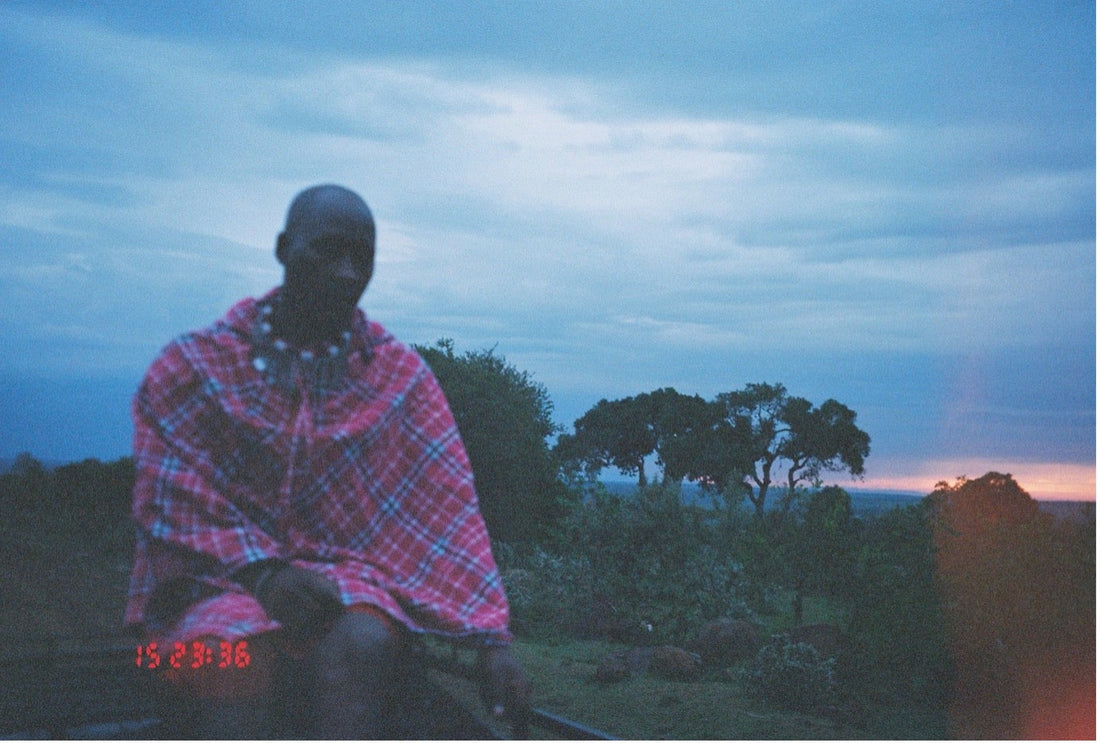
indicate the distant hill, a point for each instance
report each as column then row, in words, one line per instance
column 868, row 503
column 864, row 502
column 6, row 464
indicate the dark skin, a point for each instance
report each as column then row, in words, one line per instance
column 327, row 251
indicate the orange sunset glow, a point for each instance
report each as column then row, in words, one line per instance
column 1041, row 480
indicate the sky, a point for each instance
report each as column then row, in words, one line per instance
column 891, row 204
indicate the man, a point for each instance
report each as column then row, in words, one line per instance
column 302, row 488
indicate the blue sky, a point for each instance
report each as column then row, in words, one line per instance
column 890, row 204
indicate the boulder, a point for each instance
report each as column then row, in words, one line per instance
column 624, row 664
column 673, row 663
column 725, row 641
column 612, row 668
column 667, row 662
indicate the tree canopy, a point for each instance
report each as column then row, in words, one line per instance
column 505, row 419
column 622, row 433
column 1019, row 594
column 752, row 433
column 736, row 444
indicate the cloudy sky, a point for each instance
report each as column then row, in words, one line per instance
column 889, row 204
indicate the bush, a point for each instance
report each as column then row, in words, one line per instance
column 792, row 675
column 660, row 562
column 546, row 591
column 642, row 569
column 897, row 638
column 504, row 417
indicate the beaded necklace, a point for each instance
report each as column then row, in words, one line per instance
column 282, row 365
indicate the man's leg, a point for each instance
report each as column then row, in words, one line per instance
column 352, row 669
column 221, row 703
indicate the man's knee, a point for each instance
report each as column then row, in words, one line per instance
column 358, row 642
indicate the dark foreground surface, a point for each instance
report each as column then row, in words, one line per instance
column 86, row 688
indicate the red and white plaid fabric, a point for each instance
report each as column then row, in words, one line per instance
column 368, row 484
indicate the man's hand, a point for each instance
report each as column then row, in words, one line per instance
column 304, row 601
column 505, row 688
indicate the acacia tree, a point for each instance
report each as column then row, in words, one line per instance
column 622, row 433
column 754, row 431
column 611, row 434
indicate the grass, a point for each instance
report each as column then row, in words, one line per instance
column 62, row 583
column 718, row 706
column 643, row 707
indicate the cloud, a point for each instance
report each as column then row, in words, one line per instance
column 608, row 236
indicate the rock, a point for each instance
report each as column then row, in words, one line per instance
column 667, row 662
column 638, row 660
column 612, row 669
column 824, row 638
column 674, row 663
column 724, row 642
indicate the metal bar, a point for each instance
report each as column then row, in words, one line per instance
column 567, row 728
column 546, row 720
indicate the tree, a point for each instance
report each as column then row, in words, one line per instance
column 25, row 480
column 823, row 546
column 1018, row 591
column 672, row 415
column 896, row 636
column 756, row 429
column 93, row 498
column 611, row 434
column 505, row 419
column 820, row 439
column 622, row 433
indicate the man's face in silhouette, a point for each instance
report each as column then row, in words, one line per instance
column 328, row 253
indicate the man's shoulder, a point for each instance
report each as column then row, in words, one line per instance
column 394, row 360
column 204, row 347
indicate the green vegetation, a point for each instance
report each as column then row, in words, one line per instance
column 969, row 613
column 504, row 419
column 734, row 446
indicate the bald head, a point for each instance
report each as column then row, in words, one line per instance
column 325, row 202
column 327, row 251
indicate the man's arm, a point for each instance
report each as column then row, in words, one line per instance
column 175, row 498
column 302, row 600
column 505, row 688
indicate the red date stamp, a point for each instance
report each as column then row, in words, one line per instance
column 194, row 655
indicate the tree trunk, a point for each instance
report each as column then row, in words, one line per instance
column 760, row 498
column 759, row 503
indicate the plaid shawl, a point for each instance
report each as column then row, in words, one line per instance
column 368, row 484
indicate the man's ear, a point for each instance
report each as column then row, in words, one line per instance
column 280, row 248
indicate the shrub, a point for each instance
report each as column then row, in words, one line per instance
column 546, row 591
column 643, row 569
column 659, row 561
column 897, row 638
column 792, row 675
